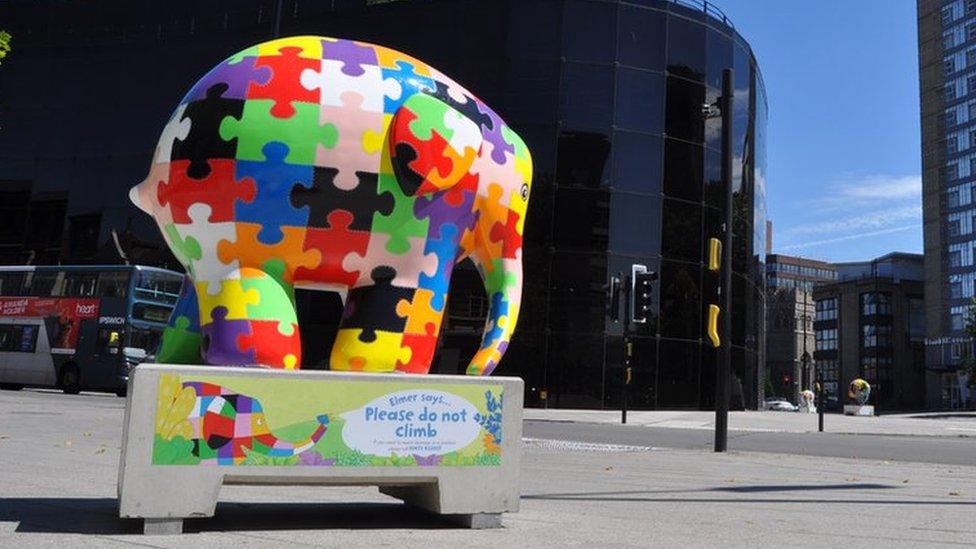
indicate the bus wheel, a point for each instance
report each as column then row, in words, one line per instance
column 70, row 379
column 11, row 386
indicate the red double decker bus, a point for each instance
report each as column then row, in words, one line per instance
column 81, row 327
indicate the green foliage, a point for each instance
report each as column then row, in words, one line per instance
column 176, row 451
column 5, row 38
column 352, row 458
column 256, row 458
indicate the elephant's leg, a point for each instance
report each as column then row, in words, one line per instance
column 422, row 328
column 503, row 286
column 181, row 339
column 250, row 321
column 371, row 333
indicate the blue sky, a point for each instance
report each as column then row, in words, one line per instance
column 843, row 146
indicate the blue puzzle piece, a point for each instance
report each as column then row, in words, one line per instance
column 274, row 181
column 499, row 308
column 410, row 83
column 446, row 248
column 186, row 306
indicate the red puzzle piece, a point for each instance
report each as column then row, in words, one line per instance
column 507, row 234
column 334, row 243
column 270, row 346
column 285, row 84
column 422, row 348
column 220, row 190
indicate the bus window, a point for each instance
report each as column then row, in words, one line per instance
column 43, row 284
column 113, row 283
column 158, row 286
column 23, row 338
column 6, row 337
column 12, row 284
column 79, row 284
column 151, row 313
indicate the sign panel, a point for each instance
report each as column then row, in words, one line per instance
column 62, row 316
column 233, row 420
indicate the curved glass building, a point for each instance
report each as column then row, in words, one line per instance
column 608, row 95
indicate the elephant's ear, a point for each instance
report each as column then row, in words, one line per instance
column 432, row 145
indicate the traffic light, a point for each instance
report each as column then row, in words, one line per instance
column 613, row 298
column 643, row 293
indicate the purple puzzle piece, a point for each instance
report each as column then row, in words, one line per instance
column 494, row 136
column 222, row 336
column 238, row 76
column 440, row 212
column 354, row 55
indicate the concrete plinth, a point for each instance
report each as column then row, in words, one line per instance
column 448, row 444
column 858, row 410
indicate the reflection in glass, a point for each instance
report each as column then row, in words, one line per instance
column 639, row 35
column 582, row 159
column 683, row 164
column 581, row 219
column 589, row 31
column 678, row 374
column 683, row 118
column 634, row 222
column 686, row 51
column 680, row 300
column 636, row 162
column 681, row 230
column 586, row 97
column 640, row 100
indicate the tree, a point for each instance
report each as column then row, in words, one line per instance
column 4, row 43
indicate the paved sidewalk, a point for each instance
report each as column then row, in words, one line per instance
column 59, row 457
column 921, row 424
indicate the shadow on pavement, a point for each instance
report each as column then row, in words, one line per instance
column 100, row 516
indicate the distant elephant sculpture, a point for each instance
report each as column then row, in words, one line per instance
column 312, row 162
column 859, row 391
column 227, row 427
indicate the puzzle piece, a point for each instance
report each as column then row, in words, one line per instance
column 411, row 82
column 420, row 312
column 206, row 236
column 310, row 47
column 392, row 59
column 460, row 99
column 186, row 249
column 508, row 235
column 409, row 267
column 275, row 298
column 204, row 142
column 492, row 131
column 232, row 296
column 334, row 243
column 354, row 56
column 220, row 190
column 145, row 195
column 284, row 86
column 363, row 202
column 179, row 343
column 403, row 222
column 274, row 180
column 249, row 251
column 256, row 126
column 349, row 154
column 220, row 339
column 177, row 127
column 446, row 250
column 454, row 206
column 351, row 353
column 238, row 73
column 332, row 81
column 374, row 307
column 270, row 346
column 474, row 242
column 422, row 348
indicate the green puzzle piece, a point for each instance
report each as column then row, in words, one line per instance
column 257, row 127
column 276, row 299
column 430, row 113
column 498, row 280
column 401, row 224
column 179, row 345
column 239, row 56
column 187, row 250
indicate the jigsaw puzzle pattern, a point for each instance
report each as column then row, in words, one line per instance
column 333, row 164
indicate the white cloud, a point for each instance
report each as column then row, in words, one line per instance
column 850, row 237
column 854, row 207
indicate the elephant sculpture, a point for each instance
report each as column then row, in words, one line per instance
column 313, row 162
column 227, row 427
column 859, row 391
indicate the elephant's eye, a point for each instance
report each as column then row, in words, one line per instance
column 525, row 191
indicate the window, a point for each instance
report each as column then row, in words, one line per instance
column 948, row 66
column 955, row 287
column 954, row 228
column 113, row 284
column 971, row 85
column 952, row 144
column 957, row 322
column 952, row 199
column 826, row 309
column 79, row 284
column 826, row 340
column 875, row 336
column 875, row 303
column 952, row 172
column 970, row 32
column 946, row 15
column 19, row 338
column 948, row 40
column 13, row 284
column 970, row 6
column 970, row 58
column 955, row 258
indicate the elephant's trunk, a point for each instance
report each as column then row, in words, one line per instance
column 280, row 448
column 503, row 286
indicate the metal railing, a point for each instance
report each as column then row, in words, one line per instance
column 707, row 8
